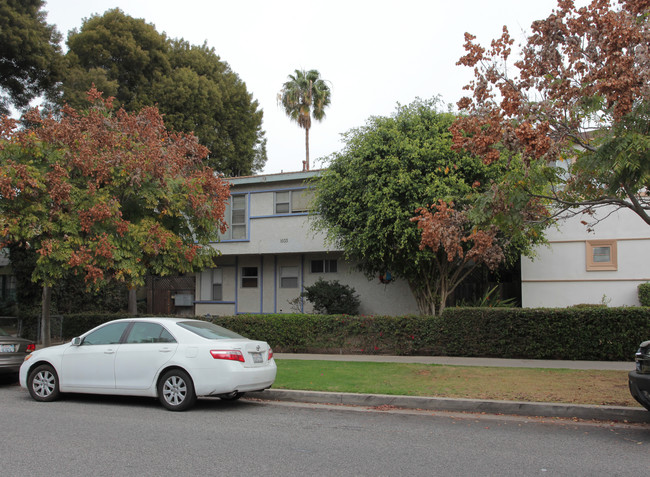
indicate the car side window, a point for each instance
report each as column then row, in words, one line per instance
column 149, row 333
column 109, row 334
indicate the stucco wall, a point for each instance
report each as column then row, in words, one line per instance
column 558, row 275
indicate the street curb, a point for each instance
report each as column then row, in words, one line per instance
column 519, row 408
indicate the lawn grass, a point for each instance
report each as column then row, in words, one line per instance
column 472, row 382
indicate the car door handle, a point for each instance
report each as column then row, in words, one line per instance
column 165, row 350
column 109, row 351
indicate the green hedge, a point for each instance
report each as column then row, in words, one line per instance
column 598, row 333
column 609, row 334
column 644, row 294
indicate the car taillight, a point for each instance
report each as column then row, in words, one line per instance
column 229, row 354
column 270, row 354
column 30, row 348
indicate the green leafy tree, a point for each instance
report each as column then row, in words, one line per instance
column 305, row 96
column 196, row 92
column 117, row 50
column 202, row 94
column 393, row 168
column 108, row 196
column 30, row 55
column 579, row 96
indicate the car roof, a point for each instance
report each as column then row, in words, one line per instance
column 174, row 319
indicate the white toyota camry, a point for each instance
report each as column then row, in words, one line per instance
column 173, row 359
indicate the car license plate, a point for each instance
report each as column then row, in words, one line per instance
column 257, row 358
column 7, row 348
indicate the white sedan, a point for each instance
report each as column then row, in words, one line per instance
column 173, row 359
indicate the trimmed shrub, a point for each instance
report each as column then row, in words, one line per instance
column 644, row 294
column 332, row 298
column 608, row 334
column 596, row 333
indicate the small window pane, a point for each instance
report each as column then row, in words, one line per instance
column 300, row 200
column 249, row 277
column 317, row 266
column 282, row 202
column 602, row 254
column 166, row 337
column 238, row 216
column 288, row 277
column 239, row 202
column 238, row 232
column 217, row 291
column 289, row 282
column 331, row 266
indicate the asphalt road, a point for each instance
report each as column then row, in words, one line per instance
column 109, row 436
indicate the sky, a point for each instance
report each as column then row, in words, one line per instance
column 375, row 54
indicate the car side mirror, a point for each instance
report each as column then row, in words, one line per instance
column 76, row 341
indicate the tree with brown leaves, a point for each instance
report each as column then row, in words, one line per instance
column 107, row 195
column 579, row 97
column 458, row 247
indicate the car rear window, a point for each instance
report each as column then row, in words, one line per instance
column 208, row 330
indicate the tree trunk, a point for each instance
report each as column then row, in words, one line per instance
column 425, row 300
column 305, row 166
column 45, row 316
column 133, row 302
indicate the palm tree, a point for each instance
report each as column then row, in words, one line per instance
column 304, row 96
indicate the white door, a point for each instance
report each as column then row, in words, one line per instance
column 92, row 364
column 146, row 349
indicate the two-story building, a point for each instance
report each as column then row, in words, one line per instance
column 270, row 253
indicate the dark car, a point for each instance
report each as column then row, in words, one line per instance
column 12, row 354
column 639, row 379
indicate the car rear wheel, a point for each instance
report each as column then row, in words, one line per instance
column 43, row 383
column 176, row 391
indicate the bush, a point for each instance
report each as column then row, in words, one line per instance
column 609, row 334
column 644, row 294
column 332, row 298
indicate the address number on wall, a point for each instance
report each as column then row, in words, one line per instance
column 285, row 240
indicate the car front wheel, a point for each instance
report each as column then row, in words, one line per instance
column 176, row 391
column 43, row 383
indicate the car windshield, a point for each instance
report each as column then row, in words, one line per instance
column 209, row 330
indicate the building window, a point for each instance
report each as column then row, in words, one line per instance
column 288, row 277
column 283, row 202
column 238, row 217
column 249, row 277
column 217, row 284
column 292, row 201
column 324, row 266
column 601, row 255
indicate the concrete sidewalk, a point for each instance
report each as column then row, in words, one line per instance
column 578, row 411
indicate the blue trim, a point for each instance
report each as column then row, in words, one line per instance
column 236, row 283
column 232, row 240
column 279, row 189
column 297, row 214
column 248, row 214
column 275, row 284
column 302, row 282
column 261, row 287
column 213, row 302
